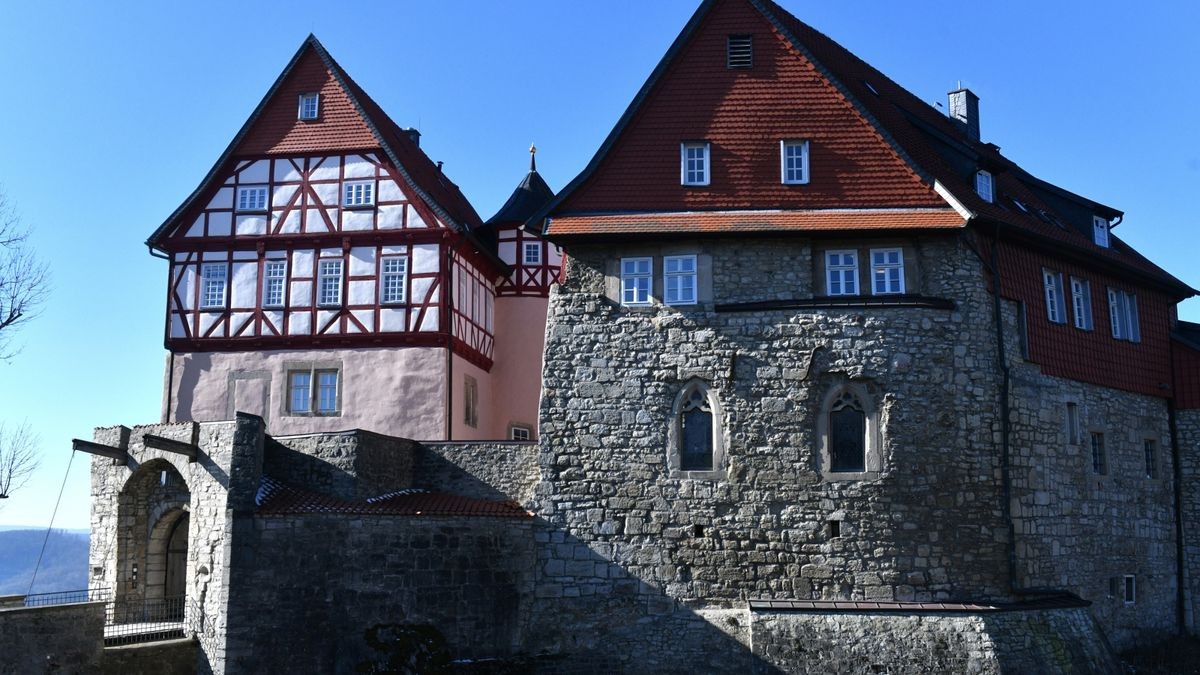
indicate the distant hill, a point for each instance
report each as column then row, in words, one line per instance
column 64, row 565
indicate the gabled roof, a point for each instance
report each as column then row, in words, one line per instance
column 419, row 173
column 930, row 145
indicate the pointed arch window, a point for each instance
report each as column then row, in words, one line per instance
column 849, row 434
column 696, row 448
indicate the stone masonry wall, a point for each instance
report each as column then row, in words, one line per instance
column 349, row 464
column 308, row 587
column 1188, row 427
column 632, row 543
column 52, row 639
column 484, row 470
column 1047, row 641
column 1080, row 531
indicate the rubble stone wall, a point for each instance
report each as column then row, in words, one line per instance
column 52, row 639
column 1188, row 427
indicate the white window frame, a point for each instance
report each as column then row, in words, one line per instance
column 305, row 98
column 214, row 276
column 393, row 283
column 329, row 282
column 357, row 194
column 885, row 267
column 1123, row 315
column 985, row 185
column 534, row 247
column 1056, row 307
column 520, row 432
column 1100, row 228
column 634, row 280
column 677, row 276
column 312, row 401
column 274, row 281
column 260, row 199
column 702, row 174
column 841, row 268
column 788, row 173
column 1081, row 303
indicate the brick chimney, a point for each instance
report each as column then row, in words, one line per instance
column 964, row 109
column 414, row 135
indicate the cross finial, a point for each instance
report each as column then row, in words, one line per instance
column 532, row 157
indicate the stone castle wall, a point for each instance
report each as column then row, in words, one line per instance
column 52, row 639
column 1188, row 428
column 637, row 540
column 349, row 464
column 493, row 470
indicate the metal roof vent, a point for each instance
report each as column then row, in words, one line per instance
column 739, row 51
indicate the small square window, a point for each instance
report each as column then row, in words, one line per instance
column 393, row 271
column 694, row 160
column 252, row 198
column 1100, row 231
column 520, row 433
column 635, row 280
column 887, row 271
column 329, row 283
column 679, row 280
column 984, row 186
column 532, row 253
column 212, row 291
column 309, row 106
column 359, row 193
column 841, row 272
column 793, row 157
column 1099, row 456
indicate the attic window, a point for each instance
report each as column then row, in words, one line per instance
column 870, row 87
column 309, row 106
column 1100, row 231
column 739, row 51
column 1019, row 204
column 983, row 185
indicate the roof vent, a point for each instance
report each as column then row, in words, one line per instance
column 964, row 109
column 739, row 51
column 414, row 135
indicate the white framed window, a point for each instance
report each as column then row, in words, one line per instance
column 314, row 391
column 636, row 274
column 679, row 279
column 358, row 193
column 252, row 198
column 520, row 433
column 887, row 271
column 1056, row 309
column 984, row 185
column 531, row 253
column 309, row 105
column 274, row 278
column 1123, row 315
column 1081, row 303
column 793, row 160
column 212, row 285
column 1130, row 589
column 694, row 163
column 393, row 277
column 1100, row 231
column 841, row 272
column 329, row 283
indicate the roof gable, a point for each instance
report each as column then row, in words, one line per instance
column 744, row 114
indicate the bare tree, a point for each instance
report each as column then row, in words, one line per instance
column 18, row 458
column 24, row 279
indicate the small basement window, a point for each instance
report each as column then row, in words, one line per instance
column 739, row 51
column 309, row 105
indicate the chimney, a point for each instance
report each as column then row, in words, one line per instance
column 414, row 135
column 964, row 109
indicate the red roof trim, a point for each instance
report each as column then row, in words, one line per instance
column 755, row 221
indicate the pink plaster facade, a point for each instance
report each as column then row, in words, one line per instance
column 520, row 338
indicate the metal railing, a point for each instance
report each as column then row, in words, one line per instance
column 137, row 620
column 68, row 597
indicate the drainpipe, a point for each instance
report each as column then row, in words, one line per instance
column 1005, row 414
column 1177, row 480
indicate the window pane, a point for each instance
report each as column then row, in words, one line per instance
column 697, row 451
column 300, row 393
column 847, row 432
column 326, row 391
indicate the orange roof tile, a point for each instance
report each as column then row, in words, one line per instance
column 755, row 221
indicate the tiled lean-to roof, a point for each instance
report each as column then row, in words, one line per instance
column 276, row 498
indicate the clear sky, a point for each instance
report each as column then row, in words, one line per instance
column 112, row 114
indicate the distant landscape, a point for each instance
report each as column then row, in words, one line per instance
column 64, row 564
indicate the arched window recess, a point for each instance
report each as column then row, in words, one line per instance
column 695, row 437
column 848, row 434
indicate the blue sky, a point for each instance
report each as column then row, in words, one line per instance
column 112, row 116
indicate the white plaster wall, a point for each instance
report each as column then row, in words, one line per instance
column 394, row 391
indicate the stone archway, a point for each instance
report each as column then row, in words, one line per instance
column 166, row 556
column 152, row 506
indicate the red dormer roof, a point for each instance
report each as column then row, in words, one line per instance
column 349, row 120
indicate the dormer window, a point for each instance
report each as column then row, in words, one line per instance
column 1100, row 231
column 739, row 51
column 252, row 198
column 984, row 186
column 694, row 163
column 309, row 106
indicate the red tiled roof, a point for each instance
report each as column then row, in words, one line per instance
column 756, row 221
column 275, row 498
column 1050, row 601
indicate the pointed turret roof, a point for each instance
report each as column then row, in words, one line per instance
column 531, row 194
column 350, row 120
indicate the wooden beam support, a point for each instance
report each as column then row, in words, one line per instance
column 91, row 448
column 188, row 450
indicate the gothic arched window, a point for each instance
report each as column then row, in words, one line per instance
column 695, row 448
column 847, row 435
column 848, row 430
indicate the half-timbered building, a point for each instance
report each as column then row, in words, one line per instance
column 326, row 274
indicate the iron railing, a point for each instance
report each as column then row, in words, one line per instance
column 68, row 597
column 130, row 620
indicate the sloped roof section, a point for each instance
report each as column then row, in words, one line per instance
column 276, row 498
column 717, row 222
column 349, row 120
column 532, row 194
